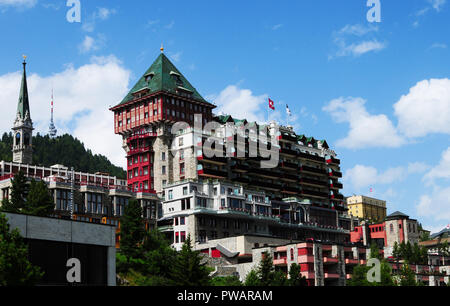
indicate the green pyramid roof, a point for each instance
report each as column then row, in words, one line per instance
column 23, row 106
column 164, row 76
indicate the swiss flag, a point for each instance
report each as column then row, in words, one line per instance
column 271, row 104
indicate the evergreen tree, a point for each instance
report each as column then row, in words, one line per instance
column 132, row 229
column 226, row 281
column 359, row 276
column 279, row 279
column 187, row 269
column 374, row 251
column 295, row 277
column 252, row 279
column 15, row 269
column 158, row 255
column 19, row 193
column 407, row 276
column 39, row 201
column 266, row 269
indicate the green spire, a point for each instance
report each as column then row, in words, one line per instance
column 23, row 106
column 163, row 76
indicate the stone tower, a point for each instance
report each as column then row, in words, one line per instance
column 23, row 126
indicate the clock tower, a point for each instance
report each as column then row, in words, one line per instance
column 23, row 126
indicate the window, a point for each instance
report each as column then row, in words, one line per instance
column 163, row 170
column 185, row 190
column 163, row 156
column 170, row 194
column 182, row 236
column 182, row 220
column 180, row 141
column 181, row 155
column 182, row 168
column 391, row 228
column 164, row 182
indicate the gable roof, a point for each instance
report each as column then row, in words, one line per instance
column 163, row 76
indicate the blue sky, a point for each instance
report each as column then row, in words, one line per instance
column 379, row 93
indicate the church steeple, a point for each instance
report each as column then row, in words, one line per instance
column 23, row 125
column 24, row 105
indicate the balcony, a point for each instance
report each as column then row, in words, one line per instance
column 288, row 165
column 312, row 182
column 265, row 173
column 305, row 259
column 292, row 190
column 207, row 172
column 348, row 276
column 287, row 151
column 287, row 137
column 313, row 170
column 362, row 261
column 280, row 262
column 313, row 193
column 213, row 159
column 139, row 150
column 142, row 136
column 334, row 173
column 350, row 261
column 333, row 160
column 336, row 186
column 331, row 275
column 310, row 157
column 289, row 177
column 330, row 260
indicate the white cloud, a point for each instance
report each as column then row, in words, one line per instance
column 437, row 4
column 425, row 109
column 435, row 205
column 360, row 176
column 438, row 46
column 18, row 3
column 241, row 103
column 101, row 14
column 277, row 26
column 357, row 29
column 176, row 56
column 441, row 171
column 417, row 167
column 92, row 44
column 82, row 98
column 356, row 47
column 366, row 130
column 170, row 25
column 104, row 13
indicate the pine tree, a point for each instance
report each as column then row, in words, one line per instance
column 252, row 279
column 15, row 269
column 295, row 277
column 187, row 269
column 39, row 201
column 407, row 276
column 19, row 193
column 132, row 229
column 266, row 269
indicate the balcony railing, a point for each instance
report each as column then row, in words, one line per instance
column 313, row 170
column 314, row 193
column 334, row 173
column 308, row 181
column 212, row 173
column 311, row 157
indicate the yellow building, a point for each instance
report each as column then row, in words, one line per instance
column 366, row 208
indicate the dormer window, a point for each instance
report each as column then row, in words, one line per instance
column 149, row 76
column 177, row 78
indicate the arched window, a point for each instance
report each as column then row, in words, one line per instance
column 17, row 139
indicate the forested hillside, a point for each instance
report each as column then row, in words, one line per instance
column 65, row 150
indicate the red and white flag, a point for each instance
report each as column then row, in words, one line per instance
column 271, row 104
